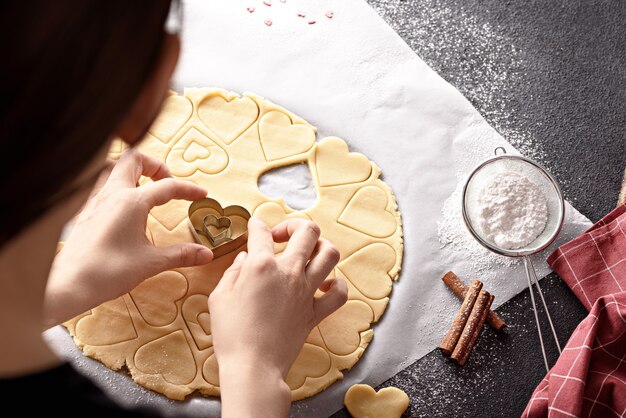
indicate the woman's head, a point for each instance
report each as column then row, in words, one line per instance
column 74, row 74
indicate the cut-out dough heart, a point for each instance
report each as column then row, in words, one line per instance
column 363, row 401
column 193, row 152
column 210, row 370
column 171, row 214
column 341, row 330
column 168, row 356
column 378, row 305
column 273, row 214
column 175, row 113
column 106, row 325
column 367, row 213
column 368, row 270
column 228, row 118
column 280, row 138
column 204, row 320
column 312, row 361
column 336, row 165
column 196, row 314
column 156, row 309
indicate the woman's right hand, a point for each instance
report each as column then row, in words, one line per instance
column 264, row 308
column 108, row 253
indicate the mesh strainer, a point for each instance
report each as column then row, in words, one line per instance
column 478, row 179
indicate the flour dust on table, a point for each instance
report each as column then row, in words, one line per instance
column 161, row 331
column 477, row 57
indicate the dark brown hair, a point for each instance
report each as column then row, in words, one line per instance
column 71, row 71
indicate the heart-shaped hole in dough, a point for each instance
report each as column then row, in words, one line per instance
column 292, row 183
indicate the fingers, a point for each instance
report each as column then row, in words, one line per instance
column 324, row 259
column 302, row 235
column 260, row 240
column 160, row 192
column 133, row 164
column 285, row 230
column 336, row 294
column 229, row 278
column 181, row 255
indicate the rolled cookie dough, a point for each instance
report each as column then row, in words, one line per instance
column 161, row 330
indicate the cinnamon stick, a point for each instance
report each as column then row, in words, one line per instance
column 473, row 327
column 453, row 334
column 460, row 289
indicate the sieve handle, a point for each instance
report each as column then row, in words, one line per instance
column 531, row 275
column 545, row 306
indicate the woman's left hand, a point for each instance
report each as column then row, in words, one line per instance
column 108, row 253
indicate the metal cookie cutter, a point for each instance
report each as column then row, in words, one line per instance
column 222, row 230
column 217, row 229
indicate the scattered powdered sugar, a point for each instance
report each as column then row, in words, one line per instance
column 451, row 230
column 474, row 56
column 512, row 210
column 453, row 234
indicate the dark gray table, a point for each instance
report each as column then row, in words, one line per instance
column 550, row 76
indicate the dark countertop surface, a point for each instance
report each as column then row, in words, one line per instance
column 550, row 76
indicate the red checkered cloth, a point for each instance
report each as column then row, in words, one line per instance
column 589, row 378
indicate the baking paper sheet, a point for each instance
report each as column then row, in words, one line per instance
column 352, row 77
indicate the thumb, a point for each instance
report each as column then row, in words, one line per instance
column 335, row 295
column 182, row 255
column 232, row 273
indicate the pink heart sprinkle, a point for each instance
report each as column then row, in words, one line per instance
column 330, row 14
column 250, row 9
column 268, row 22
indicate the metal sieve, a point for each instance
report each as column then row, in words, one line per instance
column 478, row 179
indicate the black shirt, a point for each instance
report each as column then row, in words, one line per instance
column 64, row 390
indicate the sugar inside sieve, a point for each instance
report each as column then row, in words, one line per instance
column 486, row 171
column 534, row 172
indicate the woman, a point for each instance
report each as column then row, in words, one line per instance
column 77, row 74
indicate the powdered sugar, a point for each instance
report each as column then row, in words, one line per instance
column 513, row 210
column 452, row 233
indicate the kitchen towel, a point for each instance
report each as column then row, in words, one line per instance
column 589, row 378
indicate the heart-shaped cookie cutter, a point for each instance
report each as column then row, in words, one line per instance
column 222, row 226
column 222, row 230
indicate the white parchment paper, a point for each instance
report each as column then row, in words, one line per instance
column 352, row 77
